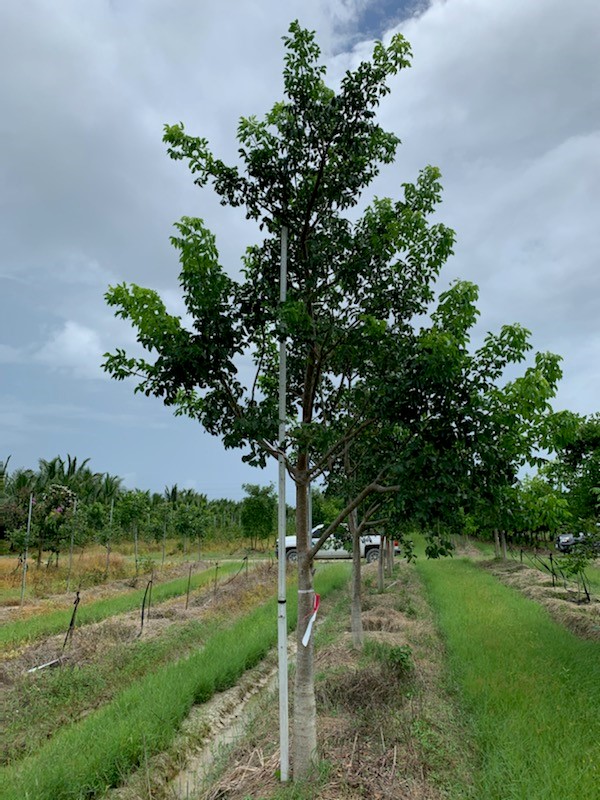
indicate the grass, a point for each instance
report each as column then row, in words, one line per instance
column 531, row 687
column 388, row 726
column 89, row 565
column 46, row 624
column 85, row 759
column 41, row 704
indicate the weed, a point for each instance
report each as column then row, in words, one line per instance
column 398, row 659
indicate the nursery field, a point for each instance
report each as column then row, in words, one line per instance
column 467, row 687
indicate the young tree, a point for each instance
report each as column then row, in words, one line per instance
column 259, row 513
column 576, row 469
column 52, row 512
column 355, row 289
column 130, row 512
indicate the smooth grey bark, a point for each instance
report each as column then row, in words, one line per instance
column 356, row 598
column 380, row 575
column 390, row 556
column 503, row 543
column 496, row 543
column 305, row 709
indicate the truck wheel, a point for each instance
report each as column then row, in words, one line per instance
column 372, row 555
column 291, row 555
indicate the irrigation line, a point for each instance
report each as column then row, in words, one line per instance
column 244, row 564
column 553, row 569
column 150, row 593
column 71, row 628
column 148, row 589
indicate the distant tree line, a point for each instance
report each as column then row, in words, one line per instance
column 72, row 504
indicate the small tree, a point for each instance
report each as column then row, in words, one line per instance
column 131, row 510
column 259, row 513
column 52, row 512
column 190, row 522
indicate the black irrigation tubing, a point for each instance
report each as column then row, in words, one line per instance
column 244, row 564
column 556, row 572
column 148, row 589
column 71, row 627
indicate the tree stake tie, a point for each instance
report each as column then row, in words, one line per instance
column 311, row 621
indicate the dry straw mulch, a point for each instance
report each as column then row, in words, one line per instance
column 562, row 603
column 381, row 736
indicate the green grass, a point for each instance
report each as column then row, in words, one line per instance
column 531, row 687
column 88, row 757
column 593, row 575
column 42, row 703
column 46, row 624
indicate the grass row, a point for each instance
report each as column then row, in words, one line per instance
column 531, row 687
column 40, row 704
column 91, row 756
column 46, row 624
column 592, row 571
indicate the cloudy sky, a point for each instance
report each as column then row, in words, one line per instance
column 503, row 96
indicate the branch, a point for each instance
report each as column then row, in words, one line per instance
column 368, row 514
column 321, row 465
column 370, row 489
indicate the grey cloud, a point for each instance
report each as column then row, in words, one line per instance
column 502, row 96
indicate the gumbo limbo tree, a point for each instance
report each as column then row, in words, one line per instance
column 355, row 288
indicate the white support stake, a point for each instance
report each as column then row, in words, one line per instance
column 24, row 576
column 281, row 519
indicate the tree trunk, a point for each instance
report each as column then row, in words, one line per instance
column 356, row 601
column 496, row 543
column 503, row 543
column 107, row 557
column 305, row 710
column 390, row 550
column 380, row 576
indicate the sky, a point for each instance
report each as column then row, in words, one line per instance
column 502, row 96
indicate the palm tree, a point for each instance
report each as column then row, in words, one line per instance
column 171, row 494
column 3, row 477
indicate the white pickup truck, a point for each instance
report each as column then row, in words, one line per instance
column 333, row 547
